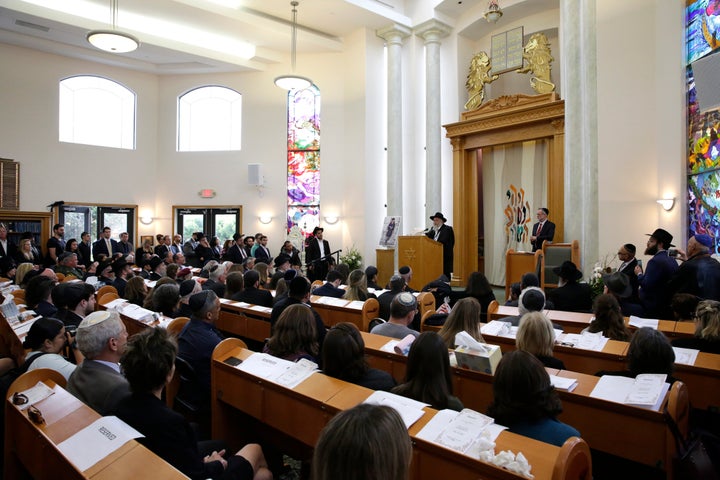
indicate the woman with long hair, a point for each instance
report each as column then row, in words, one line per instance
column 357, row 287
column 427, row 377
column 609, row 319
column 464, row 317
column 136, row 291
column 294, row 336
column 525, row 401
column 479, row 288
column 707, row 329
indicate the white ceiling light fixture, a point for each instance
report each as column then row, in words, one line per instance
column 113, row 41
column 292, row 81
column 494, row 12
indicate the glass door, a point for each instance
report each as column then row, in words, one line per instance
column 76, row 220
column 222, row 222
column 119, row 219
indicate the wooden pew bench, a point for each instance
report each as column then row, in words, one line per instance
column 31, row 450
column 300, row 414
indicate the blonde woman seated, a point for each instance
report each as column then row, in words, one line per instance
column 357, row 287
column 465, row 317
column 608, row 319
column 294, row 336
column 707, row 329
column 536, row 336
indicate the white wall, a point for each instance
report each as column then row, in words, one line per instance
column 641, row 120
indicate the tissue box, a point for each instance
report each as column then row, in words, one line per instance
column 479, row 361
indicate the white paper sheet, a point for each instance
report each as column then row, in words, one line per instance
column 24, row 327
column 276, row 370
column 643, row 322
column 97, row 441
column 36, row 394
column 410, row 410
column 225, row 301
column 686, row 356
column 116, row 304
column 355, row 305
column 585, row 341
column 463, row 430
column 496, row 328
column 562, row 383
column 297, row 373
column 260, row 308
column 390, row 346
column 241, row 304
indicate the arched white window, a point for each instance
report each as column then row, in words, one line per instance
column 97, row 111
column 209, row 119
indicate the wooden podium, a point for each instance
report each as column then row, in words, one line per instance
column 423, row 255
column 519, row 263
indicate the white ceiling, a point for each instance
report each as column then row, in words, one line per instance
column 209, row 34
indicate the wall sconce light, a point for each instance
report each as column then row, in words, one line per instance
column 331, row 219
column 265, row 219
column 667, row 203
column 146, row 220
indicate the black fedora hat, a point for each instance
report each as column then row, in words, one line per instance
column 618, row 283
column 438, row 215
column 568, row 271
column 662, row 236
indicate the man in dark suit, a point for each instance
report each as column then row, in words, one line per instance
column 543, row 231
column 331, row 287
column 571, row 296
column 262, row 254
column 104, row 245
column 85, row 248
column 7, row 247
column 252, row 294
column 98, row 381
column 626, row 254
column 444, row 234
column 80, row 299
column 124, row 245
column 654, row 291
column 397, row 285
column 163, row 248
column 315, row 255
column 237, row 253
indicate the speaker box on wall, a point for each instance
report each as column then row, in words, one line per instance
column 255, row 176
column 706, row 71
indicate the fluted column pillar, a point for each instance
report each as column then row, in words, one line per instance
column 432, row 32
column 579, row 89
column 394, row 36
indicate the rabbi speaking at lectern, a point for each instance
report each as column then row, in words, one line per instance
column 444, row 234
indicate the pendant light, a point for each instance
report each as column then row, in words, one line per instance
column 113, row 41
column 292, row 81
column 494, row 12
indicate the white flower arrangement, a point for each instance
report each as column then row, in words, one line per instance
column 601, row 268
column 352, row 258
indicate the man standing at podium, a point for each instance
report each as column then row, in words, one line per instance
column 444, row 234
column 543, row 231
column 316, row 255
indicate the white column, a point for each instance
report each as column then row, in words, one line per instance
column 394, row 36
column 579, row 85
column 432, row 31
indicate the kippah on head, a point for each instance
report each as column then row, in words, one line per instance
column 94, row 318
column 630, row 248
column 406, row 299
column 186, row 287
column 705, row 240
column 404, row 270
column 298, row 286
column 290, row 274
column 197, row 301
column 532, row 299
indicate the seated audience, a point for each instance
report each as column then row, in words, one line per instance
column 20, row 273
column 357, row 287
column 123, row 272
column 683, row 306
column 402, row 312
column 619, row 286
column 294, row 336
column 427, row 378
column 478, row 288
column 707, row 329
column 282, row 265
column 343, row 269
column 67, row 265
column 216, row 280
column 166, row 299
column 371, row 274
column 102, row 339
column 203, row 252
column 25, row 253
column 530, row 279
column 38, row 296
column 395, row 286
column 148, row 364
column 571, row 295
column 188, row 288
column 299, row 293
column 537, row 337
column 47, row 339
column 532, row 299
column 8, row 268
column 158, row 268
column 234, row 283
column 608, row 319
column 252, row 293
column 344, row 358
column 441, row 290
column 649, row 352
column 148, row 303
column 331, row 286
column 514, row 295
column 526, row 402
column 464, row 317
column 80, row 302
column 377, row 438
column 262, row 269
column 136, row 290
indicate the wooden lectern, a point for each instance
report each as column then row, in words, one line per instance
column 519, row 263
column 423, row 255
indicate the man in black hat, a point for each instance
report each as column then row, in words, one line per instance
column 444, row 234
column 570, row 296
column 543, row 231
column 236, row 253
column 654, row 292
column 315, row 255
column 618, row 285
column 281, row 264
column 122, row 271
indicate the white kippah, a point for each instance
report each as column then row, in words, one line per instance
column 95, row 317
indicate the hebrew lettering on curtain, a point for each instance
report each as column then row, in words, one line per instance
column 514, row 187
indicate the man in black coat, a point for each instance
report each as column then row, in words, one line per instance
column 571, row 296
column 626, row 254
column 105, row 245
column 315, row 255
column 444, row 234
column 699, row 274
column 251, row 293
column 543, row 231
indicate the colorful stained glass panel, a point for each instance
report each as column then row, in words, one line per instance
column 703, row 147
column 304, row 120
column 703, row 205
column 305, row 217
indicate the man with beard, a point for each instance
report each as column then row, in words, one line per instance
column 654, row 292
column 699, row 274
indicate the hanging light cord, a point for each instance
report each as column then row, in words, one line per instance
column 293, row 40
column 114, row 10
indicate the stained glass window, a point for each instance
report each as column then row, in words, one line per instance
column 303, row 159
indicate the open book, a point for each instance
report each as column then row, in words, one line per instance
column 646, row 390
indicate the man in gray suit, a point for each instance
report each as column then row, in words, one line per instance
column 102, row 338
